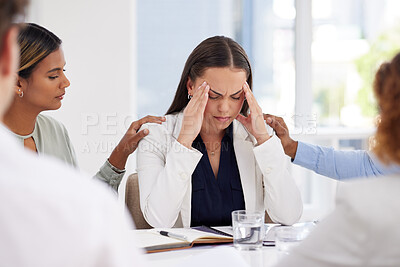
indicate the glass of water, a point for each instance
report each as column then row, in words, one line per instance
column 287, row 237
column 248, row 229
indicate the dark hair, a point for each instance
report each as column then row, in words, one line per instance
column 217, row 51
column 9, row 10
column 387, row 92
column 35, row 43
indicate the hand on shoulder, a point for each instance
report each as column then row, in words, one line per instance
column 282, row 131
column 130, row 141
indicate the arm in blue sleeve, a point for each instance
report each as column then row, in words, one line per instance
column 339, row 164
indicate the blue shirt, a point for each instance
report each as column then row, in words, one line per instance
column 339, row 164
column 213, row 199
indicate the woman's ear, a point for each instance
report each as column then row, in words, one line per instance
column 19, row 85
column 190, row 86
column 18, row 82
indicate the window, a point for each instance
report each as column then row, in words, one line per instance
column 350, row 39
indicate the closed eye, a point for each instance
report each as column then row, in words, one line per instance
column 56, row 70
column 235, row 96
column 213, row 97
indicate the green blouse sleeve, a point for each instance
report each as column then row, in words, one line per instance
column 110, row 175
column 52, row 138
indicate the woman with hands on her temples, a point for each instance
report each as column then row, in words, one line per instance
column 214, row 153
column 40, row 86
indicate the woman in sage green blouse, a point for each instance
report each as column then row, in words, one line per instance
column 41, row 85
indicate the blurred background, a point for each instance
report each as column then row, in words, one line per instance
column 313, row 64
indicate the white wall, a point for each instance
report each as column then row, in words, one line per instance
column 99, row 45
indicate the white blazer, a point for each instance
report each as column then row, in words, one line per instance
column 165, row 170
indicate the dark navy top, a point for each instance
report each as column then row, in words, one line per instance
column 213, row 199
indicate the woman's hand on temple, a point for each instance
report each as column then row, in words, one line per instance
column 130, row 141
column 254, row 122
column 193, row 116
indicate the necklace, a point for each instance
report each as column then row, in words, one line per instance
column 212, row 152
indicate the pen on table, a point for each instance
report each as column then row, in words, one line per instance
column 177, row 236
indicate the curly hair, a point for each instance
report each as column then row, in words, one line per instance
column 387, row 92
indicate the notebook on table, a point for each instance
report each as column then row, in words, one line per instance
column 152, row 241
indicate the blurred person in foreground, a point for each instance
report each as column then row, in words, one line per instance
column 50, row 215
column 363, row 229
column 46, row 219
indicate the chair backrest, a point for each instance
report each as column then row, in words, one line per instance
column 267, row 219
column 132, row 200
